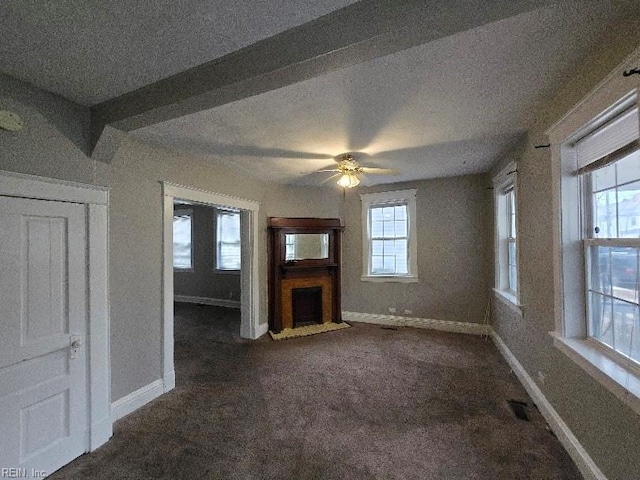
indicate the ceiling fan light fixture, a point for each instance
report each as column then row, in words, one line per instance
column 348, row 180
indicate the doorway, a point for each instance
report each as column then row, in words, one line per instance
column 54, row 324
column 249, row 283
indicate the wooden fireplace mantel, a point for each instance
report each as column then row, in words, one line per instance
column 287, row 275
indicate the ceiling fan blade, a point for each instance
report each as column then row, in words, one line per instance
column 332, row 170
column 365, row 181
column 330, row 178
column 379, row 171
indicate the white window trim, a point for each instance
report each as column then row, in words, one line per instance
column 506, row 179
column 611, row 97
column 185, row 211
column 223, row 271
column 374, row 199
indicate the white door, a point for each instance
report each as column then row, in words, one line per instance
column 43, row 386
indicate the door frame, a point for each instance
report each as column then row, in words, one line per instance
column 249, row 279
column 95, row 199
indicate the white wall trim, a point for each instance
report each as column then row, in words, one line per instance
column 262, row 329
column 398, row 321
column 96, row 201
column 584, row 462
column 32, row 186
column 389, row 279
column 216, row 302
column 208, row 198
column 130, row 403
column 378, row 199
column 249, row 278
column 99, row 324
column 510, row 301
column 169, row 381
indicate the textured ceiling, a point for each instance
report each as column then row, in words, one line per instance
column 448, row 107
column 92, row 50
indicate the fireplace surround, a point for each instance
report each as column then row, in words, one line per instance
column 304, row 272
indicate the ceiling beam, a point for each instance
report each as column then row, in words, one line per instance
column 360, row 32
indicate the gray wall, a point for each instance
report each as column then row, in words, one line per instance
column 454, row 253
column 608, row 430
column 48, row 146
column 203, row 280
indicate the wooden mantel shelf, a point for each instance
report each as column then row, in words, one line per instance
column 305, row 223
column 305, row 266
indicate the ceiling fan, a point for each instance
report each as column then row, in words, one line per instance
column 350, row 171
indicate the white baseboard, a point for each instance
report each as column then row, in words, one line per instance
column 262, row 329
column 216, row 302
column 398, row 321
column 137, row 399
column 585, row 464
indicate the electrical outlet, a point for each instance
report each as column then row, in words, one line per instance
column 541, row 377
column 392, row 309
column 408, row 312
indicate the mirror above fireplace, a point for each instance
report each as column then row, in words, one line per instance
column 306, row 246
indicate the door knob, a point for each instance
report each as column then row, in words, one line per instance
column 76, row 344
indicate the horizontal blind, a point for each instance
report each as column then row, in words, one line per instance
column 611, row 137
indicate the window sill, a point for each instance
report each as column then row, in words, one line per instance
column 509, row 300
column 390, row 279
column 226, row 272
column 183, row 270
column 623, row 382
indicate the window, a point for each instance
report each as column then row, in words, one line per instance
column 611, row 207
column 389, row 236
column 228, row 240
column 506, row 244
column 290, row 247
column 597, row 251
column 182, row 239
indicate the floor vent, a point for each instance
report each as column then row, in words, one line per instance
column 519, row 409
column 389, row 328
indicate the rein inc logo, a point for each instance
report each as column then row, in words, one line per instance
column 22, row 473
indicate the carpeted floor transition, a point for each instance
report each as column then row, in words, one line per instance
column 360, row 403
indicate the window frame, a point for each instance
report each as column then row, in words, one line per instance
column 505, row 183
column 217, row 242
column 398, row 197
column 621, row 377
column 185, row 212
column 591, row 239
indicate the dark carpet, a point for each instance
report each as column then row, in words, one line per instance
column 361, row 403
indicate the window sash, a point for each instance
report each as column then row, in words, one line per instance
column 612, row 255
column 182, row 240
column 512, row 266
column 612, row 298
column 506, row 242
column 290, row 248
column 228, row 244
column 393, row 237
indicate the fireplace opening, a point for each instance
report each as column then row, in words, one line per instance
column 306, row 306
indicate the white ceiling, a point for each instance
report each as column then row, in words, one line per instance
column 449, row 107
column 92, row 50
